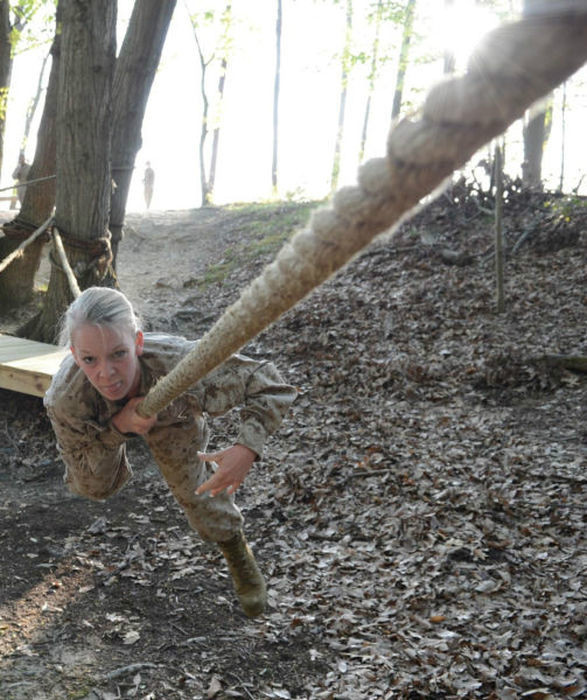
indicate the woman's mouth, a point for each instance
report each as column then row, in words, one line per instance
column 113, row 388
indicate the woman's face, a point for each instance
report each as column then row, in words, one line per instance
column 109, row 357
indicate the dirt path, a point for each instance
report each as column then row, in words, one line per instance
column 163, row 252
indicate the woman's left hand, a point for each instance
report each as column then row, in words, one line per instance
column 233, row 465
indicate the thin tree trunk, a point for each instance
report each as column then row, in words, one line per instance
column 23, row 14
column 499, row 263
column 220, row 100
column 216, row 133
column 5, row 68
column 133, row 78
column 343, row 96
column 535, row 129
column 84, row 130
column 372, row 76
column 204, row 185
column 449, row 54
column 276, row 97
column 18, row 280
column 34, row 103
column 403, row 59
column 563, row 136
column 534, row 133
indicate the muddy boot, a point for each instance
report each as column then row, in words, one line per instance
column 249, row 583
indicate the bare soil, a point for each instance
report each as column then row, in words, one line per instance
column 419, row 516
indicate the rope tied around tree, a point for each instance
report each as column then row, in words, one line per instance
column 514, row 66
column 17, row 252
column 97, row 250
column 19, row 230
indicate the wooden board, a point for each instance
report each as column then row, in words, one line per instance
column 27, row 366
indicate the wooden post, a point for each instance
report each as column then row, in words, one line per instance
column 499, row 272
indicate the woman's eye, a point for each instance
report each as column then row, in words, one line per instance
column 120, row 353
column 88, row 360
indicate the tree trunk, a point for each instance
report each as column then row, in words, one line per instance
column 535, row 129
column 5, row 68
column 372, row 76
column 32, row 108
column 563, row 137
column 343, row 95
column 449, row 54
column 133, row 78
column 216, row 135
column 22, row 13
column 84, row 129
column 18, row 280
column 227, row 21
column 403, row 59
column 204, row 186
column 276, row 82
column 534, row 137
column 499, row 263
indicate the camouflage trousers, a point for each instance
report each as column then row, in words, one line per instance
column 174, row 448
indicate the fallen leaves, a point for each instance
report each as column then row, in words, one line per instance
column 419, row 517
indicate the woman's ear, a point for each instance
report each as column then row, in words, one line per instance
column 139, row 343
column 77, row 362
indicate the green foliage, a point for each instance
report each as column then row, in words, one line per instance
column 79, row 688
column 394, row 12
column 566, row 207
column 32, row 24
column 502, row 9
column 3, row 102
column 214, row 28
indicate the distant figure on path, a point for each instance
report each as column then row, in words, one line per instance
column 149, row 183
column 20, row 174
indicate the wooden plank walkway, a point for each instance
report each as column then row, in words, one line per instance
column 27, row 366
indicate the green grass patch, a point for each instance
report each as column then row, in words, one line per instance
column 265, row 228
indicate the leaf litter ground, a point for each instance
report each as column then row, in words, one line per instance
column 420, row 516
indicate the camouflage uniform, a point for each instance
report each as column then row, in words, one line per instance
column 94, row 450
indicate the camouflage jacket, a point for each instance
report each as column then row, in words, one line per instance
column 82, row 417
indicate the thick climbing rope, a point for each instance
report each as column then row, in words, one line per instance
column 514, row 66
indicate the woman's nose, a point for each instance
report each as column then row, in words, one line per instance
column 107, row 369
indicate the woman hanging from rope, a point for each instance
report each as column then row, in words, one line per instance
column 92, row 404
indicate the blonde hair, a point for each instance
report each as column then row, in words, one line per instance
column 100, row 306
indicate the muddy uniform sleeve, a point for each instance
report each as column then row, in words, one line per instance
column 258, row 388
column 94, row 455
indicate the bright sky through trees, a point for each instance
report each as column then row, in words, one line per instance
column 313, row 34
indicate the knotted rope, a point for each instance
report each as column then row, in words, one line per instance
column 97, row 250
column 514, row 66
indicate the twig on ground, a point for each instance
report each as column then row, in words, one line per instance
column 125, row 670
